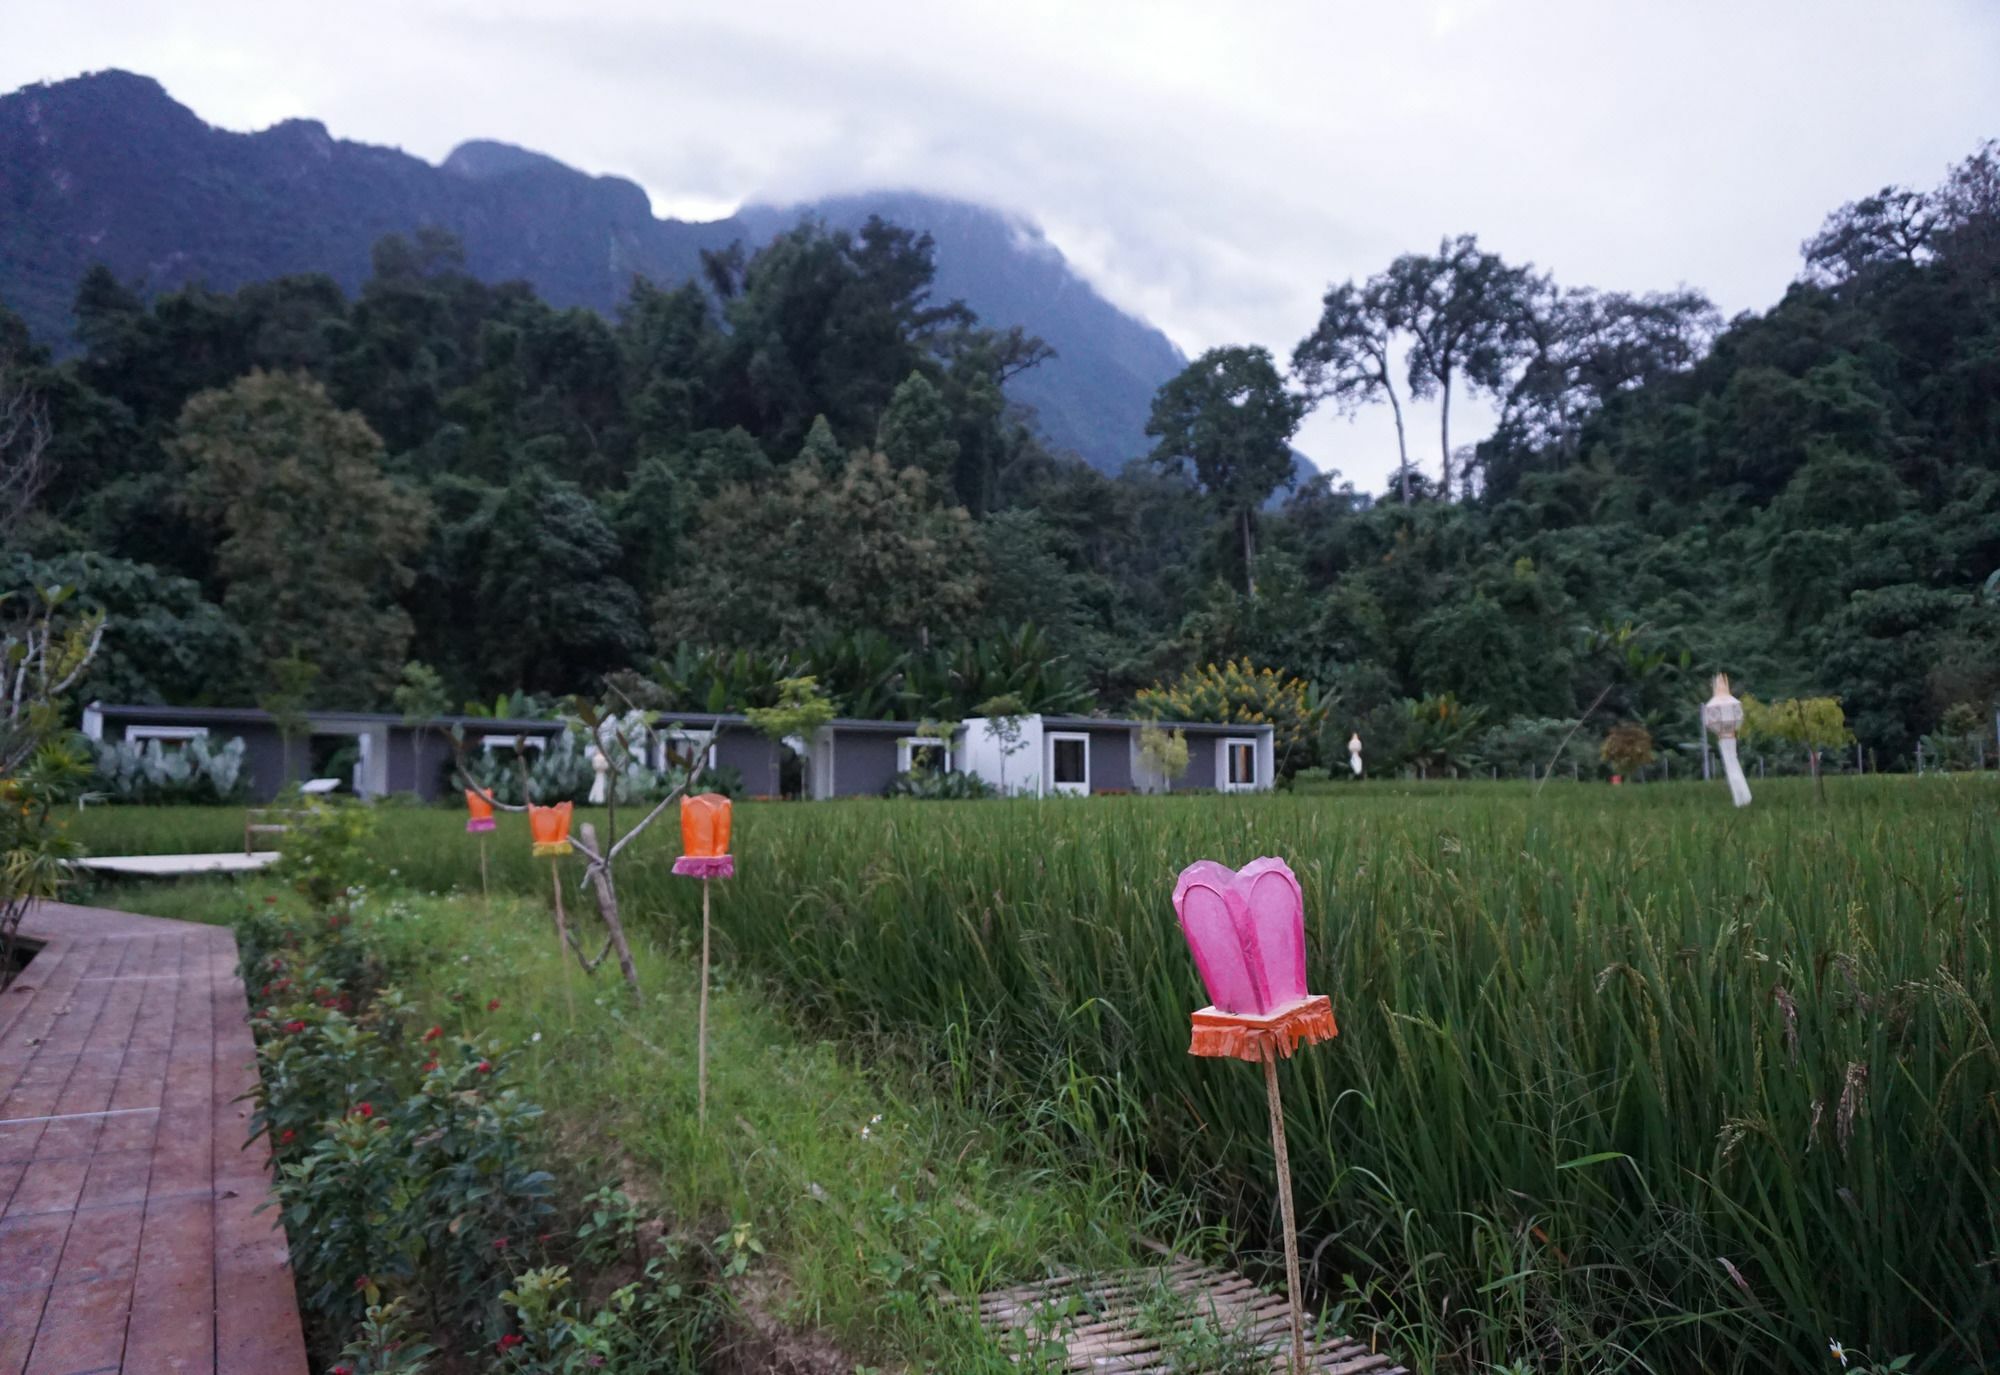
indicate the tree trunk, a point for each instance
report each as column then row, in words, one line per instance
column 1249, row 556
column 1444, row 434
column 607, row 904
column 1402, row 444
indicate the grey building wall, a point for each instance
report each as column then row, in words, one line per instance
column 1111, row 760
column 864, row 762
column 263, row 756
column 1201, row 762
column 752, row 755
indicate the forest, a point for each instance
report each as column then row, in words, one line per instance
column 804, row 462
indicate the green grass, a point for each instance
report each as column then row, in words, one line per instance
column 1626, row 1079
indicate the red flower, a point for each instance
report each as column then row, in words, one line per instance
column 493, row 1006
column 509, row 1342
column 341, row 1370
column 434, row 1033
column 362, row 1283
column 484, row 1066
column 294, row 1028
column 286, row 1139
column 499, row 1243
column 430, row 1064
column 363, row 1110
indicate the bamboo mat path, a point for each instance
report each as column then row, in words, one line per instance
column 1173, row 1318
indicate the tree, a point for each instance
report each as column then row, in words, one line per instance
column 801, row 711
column 1002, row 714
column 1164, row 753
column 1460, row 306
column 1895, row 225
column 551, row 609
column 422, row 699
column 316, row 537
column 1627, row 747
column 1815, row 724
column 24, row 442
column 868, row 546
column 1228, row 416
column 916, row 430
column 1346, row 359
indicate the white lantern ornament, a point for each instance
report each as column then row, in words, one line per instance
column 1354, row 753
column 1723, row 715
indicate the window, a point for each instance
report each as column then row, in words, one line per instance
column 1069, row 763
column 172, row 739
column 681, row 749
column 923, row 754
column 491, row 743
column 1239, row 765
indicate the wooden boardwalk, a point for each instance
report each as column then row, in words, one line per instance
column 129, row 1236
column 1155, row 1320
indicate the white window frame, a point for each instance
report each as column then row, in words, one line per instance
column 166, row 735
column 907, row 747
column 683, row 742
column 1052, row 739
column 490, row 743
column 1223, row 747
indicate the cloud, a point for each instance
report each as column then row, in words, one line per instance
column 1209, row 167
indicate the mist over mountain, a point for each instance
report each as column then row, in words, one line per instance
column 109, row 168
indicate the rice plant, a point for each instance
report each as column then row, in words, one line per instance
column 1626, row 1079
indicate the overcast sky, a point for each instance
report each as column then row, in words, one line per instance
column 1208, row 166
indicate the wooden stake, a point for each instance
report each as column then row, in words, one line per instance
column 701, row 1024
column 485, row 889
column 1284, row 1162
column 562, row 938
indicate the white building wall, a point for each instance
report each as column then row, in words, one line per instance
column 979, row 751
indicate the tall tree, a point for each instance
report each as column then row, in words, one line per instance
column 1460, row 306
column 1346, row 359
column 916, row 430
column 785, row 563
column 1229, row 417
column 316, row 538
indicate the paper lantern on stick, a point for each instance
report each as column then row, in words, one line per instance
column 1247, row 931
column 705, row 838
column 480, row 813
column 705, row 855
column 1354, row 753
column 1723, row 714
column 549, row 826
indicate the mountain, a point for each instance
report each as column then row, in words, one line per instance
column 109, row 168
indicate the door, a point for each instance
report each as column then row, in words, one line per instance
column 1069, row 764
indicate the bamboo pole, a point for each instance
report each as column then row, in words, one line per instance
column 562, row 938
column 701, row 1024
column 1284, row 1163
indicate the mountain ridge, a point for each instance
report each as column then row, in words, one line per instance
column 109, row 167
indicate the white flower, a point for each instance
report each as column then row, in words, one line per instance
column 875, row 1120
column 536, row 1037
column 1834, row 1348
column 864, row 1133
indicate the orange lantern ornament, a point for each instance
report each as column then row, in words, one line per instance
column 481, row 818
column 705, row 838
column 705, row 846
column 550, row 828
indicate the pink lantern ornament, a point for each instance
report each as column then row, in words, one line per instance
column 1247, row 930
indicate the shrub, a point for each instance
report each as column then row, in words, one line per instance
column 196, row 772
column 1241, row 692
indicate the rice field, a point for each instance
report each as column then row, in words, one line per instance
column 1626, row 1079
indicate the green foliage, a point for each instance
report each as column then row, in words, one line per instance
column 193, row 771
column 316, row 538
column 328, row 852
column 938, row 785
column 1627, row 747
column 798, row 714
column 1240, row 691
column 1165, row 753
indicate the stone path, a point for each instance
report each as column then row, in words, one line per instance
column 130, row 1239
